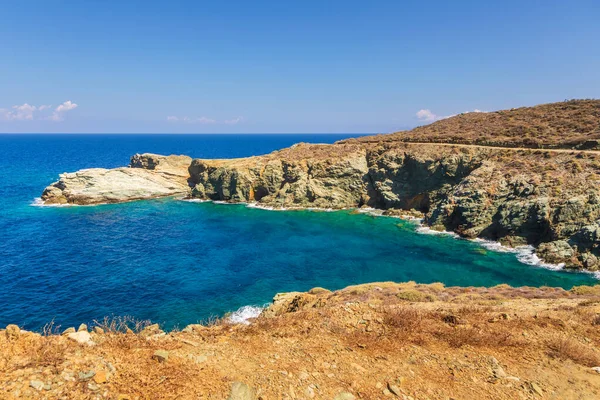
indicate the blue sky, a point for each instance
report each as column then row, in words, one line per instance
column 286, row 66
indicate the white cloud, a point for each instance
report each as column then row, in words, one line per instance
column 203, row 120
column 234, row 121
column 18, row 113
column 66, row 106
column 27, row 112
column 426, row 115
column 57, row 115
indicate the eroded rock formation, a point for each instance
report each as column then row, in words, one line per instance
column 149, row 176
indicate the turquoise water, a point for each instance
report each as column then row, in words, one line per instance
column 178, row 262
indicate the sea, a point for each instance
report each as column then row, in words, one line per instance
column 178, row 262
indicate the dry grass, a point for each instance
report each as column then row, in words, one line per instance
column 122, row 324
column 49, row 350
column 570, row 349
column 415, row 296
column 566, row 124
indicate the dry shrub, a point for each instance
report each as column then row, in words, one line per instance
column 460, row 336
column 49, row 350
column 121, row 332
column 436, row 287
column 586, row 290
column 122, row 324
column 406, row 319
column 415, row 296
column 569, row 349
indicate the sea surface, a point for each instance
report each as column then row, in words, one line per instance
column 177, row 262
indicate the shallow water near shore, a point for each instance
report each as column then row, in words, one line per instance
column 177, row 262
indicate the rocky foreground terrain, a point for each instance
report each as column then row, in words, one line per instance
column 520, row 176
column 373, row 341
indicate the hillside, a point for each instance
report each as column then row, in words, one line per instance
column 568, row 124
column 375, row 341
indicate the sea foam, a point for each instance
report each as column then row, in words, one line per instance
column 244, row 314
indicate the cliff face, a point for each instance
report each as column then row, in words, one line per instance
column 302, row 176
column 546, row 198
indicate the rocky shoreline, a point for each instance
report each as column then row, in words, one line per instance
column 547, row 199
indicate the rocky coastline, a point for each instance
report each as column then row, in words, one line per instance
column 547, row 198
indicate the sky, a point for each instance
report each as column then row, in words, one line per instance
column 307, row 66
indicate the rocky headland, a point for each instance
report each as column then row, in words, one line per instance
column 527, row 176
column 375, row 341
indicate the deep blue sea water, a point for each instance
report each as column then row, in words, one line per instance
column 177, row 262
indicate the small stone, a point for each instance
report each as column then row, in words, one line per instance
column 101, row 377
column 536, row 389
column 82, row 328
column 81, row 337
column 151, row 330
column 93, row 387
column 37, row 385
column 86, row 376
column 344, row 396
column 241, row 391
column 12, row 332
column 379, row 385
column 111, row 368
column 394, row 389
column 310, row 392
column 68, row 330
column 386, row 392
column 98, row 330
column 161, row 355
column 198, row 359
column 596, row 369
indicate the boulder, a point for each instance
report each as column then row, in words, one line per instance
column 12, row 332
column 241, row 391
column 81, row 337
column 161, row 356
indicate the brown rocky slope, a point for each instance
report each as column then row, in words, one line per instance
column 548, row 198
column 374, row 341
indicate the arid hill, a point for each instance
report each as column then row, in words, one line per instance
column 573, row 124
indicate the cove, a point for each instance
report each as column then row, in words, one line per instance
column 178, row 262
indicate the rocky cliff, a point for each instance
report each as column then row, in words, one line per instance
column 148, row 176
column 549, row 198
